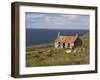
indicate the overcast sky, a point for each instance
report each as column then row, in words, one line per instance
column 56, row 21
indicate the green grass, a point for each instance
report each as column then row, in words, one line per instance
column 47, row 55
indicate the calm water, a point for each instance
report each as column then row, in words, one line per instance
column 41, row 36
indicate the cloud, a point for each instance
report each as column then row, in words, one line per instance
column 56, row 21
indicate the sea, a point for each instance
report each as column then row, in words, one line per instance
column 42, row 36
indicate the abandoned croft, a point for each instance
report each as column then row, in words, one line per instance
column 66, row 41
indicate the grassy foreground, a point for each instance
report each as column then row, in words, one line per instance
column 47, row 55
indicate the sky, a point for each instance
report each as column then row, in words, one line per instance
column 56, row 21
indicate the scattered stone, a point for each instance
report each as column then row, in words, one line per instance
column 68, row 51
column 74, row 51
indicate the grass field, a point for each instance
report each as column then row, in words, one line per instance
column 47, row 55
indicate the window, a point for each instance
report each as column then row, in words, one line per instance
column 68, row 44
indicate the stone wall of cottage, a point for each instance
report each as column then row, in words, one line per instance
column 66, row 45
column 56, row 44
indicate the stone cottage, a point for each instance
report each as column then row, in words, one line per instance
column 63, row 41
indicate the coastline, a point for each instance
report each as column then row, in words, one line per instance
column 40, row 45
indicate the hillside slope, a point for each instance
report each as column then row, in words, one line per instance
column 47, row 55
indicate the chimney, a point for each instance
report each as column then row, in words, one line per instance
column 77, row 35
column 58, row 34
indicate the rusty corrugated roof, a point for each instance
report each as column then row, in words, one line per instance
column 66, row 39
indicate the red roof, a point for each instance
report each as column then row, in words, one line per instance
column 66, row 39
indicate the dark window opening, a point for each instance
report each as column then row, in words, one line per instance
column 68, row 44
column 58, row 44
column 63, row 45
